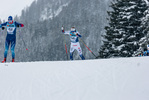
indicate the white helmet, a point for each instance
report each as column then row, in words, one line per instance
column 73, row 29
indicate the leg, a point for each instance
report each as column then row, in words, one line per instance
column 13, row 43
column 80, row 51
column 71, row 55
column 7, row 43
column 83, row 58
column 71, row 52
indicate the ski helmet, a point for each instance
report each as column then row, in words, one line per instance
column 73, row 29
column 10, row 18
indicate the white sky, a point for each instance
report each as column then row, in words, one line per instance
column 12, row 7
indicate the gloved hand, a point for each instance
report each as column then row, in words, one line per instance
column 62, row 29
column 22, row 25
column 78, row 35
column 3, row 28
column 18, row 25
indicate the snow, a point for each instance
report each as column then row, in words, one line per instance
column 120, row 47
column 128, row 15
column 56, row 13
column 146, row 1
column 44, row 14
column 50, row 14
column 131, row 7
column 107, row 79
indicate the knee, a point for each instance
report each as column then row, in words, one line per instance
column 6, row 50
column 12, row 50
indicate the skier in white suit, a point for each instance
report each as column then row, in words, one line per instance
column 75, row 45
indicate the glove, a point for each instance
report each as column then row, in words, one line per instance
column 78, row 35
column 62, row 29
column 22, row 25
column 3, row 28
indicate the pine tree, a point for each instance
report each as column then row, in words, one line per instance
column 124, row 30
column 143, row 42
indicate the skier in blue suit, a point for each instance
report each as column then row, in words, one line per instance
column 11, row 36
column 75, row 45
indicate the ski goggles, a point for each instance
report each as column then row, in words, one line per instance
column 9, row 19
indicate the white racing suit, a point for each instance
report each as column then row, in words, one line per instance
column 75, row 45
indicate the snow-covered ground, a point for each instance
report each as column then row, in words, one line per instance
column 111, row 79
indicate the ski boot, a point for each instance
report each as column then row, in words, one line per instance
column 12, row 60
column 4, row 60
column 71, row 56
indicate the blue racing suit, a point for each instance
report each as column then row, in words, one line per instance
column 11, row 37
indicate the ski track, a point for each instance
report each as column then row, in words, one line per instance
column 111, row 79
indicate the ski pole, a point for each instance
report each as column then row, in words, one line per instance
column 65, row 47
column 86, row 46
column 65, row 44
column 22, row 40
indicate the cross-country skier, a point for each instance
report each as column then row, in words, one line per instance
column 148, row 50
column 75, row 45
column 145, row 52
column 11, row 36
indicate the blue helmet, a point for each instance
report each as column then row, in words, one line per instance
column 10, row 18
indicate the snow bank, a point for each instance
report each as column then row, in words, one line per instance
column 112, row 79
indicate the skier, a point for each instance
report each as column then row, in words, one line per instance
column 145, row 52
column 148, row 50
column 75, row 45
column 140, row 54
column 11, row 36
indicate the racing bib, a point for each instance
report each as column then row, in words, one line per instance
column 10, row 28
column 73, row 39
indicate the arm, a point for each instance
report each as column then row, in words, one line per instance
column 4, row 24
column 65, row 32
column 19, row 24
column 78, row 34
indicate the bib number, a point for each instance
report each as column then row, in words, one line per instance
column 73, row 39
column 10, row 30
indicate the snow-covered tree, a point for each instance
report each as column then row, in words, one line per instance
column 145, row 23
column 125, row 28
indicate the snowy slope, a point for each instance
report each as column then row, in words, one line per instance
column 112, row 79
